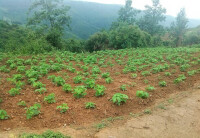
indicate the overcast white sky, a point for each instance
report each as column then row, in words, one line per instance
column 173, row 6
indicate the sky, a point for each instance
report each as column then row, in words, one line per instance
column 173, row 6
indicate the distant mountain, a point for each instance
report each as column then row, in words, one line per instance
column 87, row 17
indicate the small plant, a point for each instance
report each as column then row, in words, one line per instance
column 147, row 111
column 59, row 81
column 105, row 75
column 162, row 83
column 67, row 88
column 123, row 87
column 99, row 90
column 14, row 91
column 142, row 94
column 21, row 69
column 119, row 98
column 168, row 74
column 63, row 108
column 181, row 78
column 41, row 90
column 38, row 85
column 50, row 98
column 33, row 111
column 150, row 88
column 1, row 100
column 78, row 79
column 19, row 84
column 191, row 73
column 21, row 103
column 90, row 83
column 79, row 91
column 146, row 73
column 109, row 80
column 96, row 70
column 90, row 105
column 146, row 81
column 31, row 80
column 3, row 115
column 134, row 75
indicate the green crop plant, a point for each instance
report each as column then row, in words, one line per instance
column 79, row 91
column 119, row 98
column 19, row 84
column 105, row 75
column 14, row 91
column 4, row 69
column 51, row 77
column 59, row 81
column 56, row 67
column 162, row 83
column 99, row 90
column 146, row 73
column 33, row 111
column 22, row 103
column 180, row 79
column 78, row 79
column 146, row 81
column 90, row 105
column 134, row 75
column 109, row 80
column 50, row 98
column 31, row 80
column 13, row 66
column 67, row 88
column 21, row 69
column 38, row 85
column 184, row 67
column 32, row 74
column 90, row 83
column 123, row 87
column 168, row 74
column 63, row 108
column 96, row 70
column 192, row 72
column 41, row 90
column 3, row 114
column 142, row 94
column 150, row 88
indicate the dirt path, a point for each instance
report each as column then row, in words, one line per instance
column 177, row 117
column 180, row 119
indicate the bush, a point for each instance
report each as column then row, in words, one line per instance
column 98, row 41
column 73, row 45
column 128, row 36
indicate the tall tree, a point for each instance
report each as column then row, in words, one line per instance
column 178, row 28
column 153, row 15
column 127, row 13
column 51, row 16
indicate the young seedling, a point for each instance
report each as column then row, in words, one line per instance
column 99, row 90
column 3, row 115
column 162, row 83
column 33, row 111
column 90, row 105
column 50, row 98
column 63, row 108
column 79, row 91
column 21, row 103
column 67, row 88
column 142, row 94
column 123, row 87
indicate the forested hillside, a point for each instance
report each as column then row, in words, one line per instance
column 87, row 17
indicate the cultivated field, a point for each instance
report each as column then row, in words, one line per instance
column 63, row 88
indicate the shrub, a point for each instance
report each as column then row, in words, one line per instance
column 33, row 111
column 142, row 94
column 99, row 90
column 119, row 98
column 89, row 105
column 50, row 98
column 63, row 108
column 79, row 91
column 3, row 115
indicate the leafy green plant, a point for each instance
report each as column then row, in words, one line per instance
column 33, row 111
column 99, row 90
column 3, row 115
column 146, row 73
column 105, row 75
column 21, row 69
column 41, row 90
column 168, row 74
column 63, row 108
column 50, row 98
column 142, row 94
column 67, row 88
column 38, row 85
column 14, row 91
column 90, row 83
column 21, row 103
column 78, row 79
column 59, row 81
column 79, row 91
column 119, row 98
column 162, row 83
column 123, row 87
column 134, row 75
column 90, row 105
column 109, row 80
column 181, row 78
column 192, row 72
column 150, row 88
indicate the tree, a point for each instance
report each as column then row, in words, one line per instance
column 50, row 16
column 179, row 27
column 127, row 13
column 153, row 15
